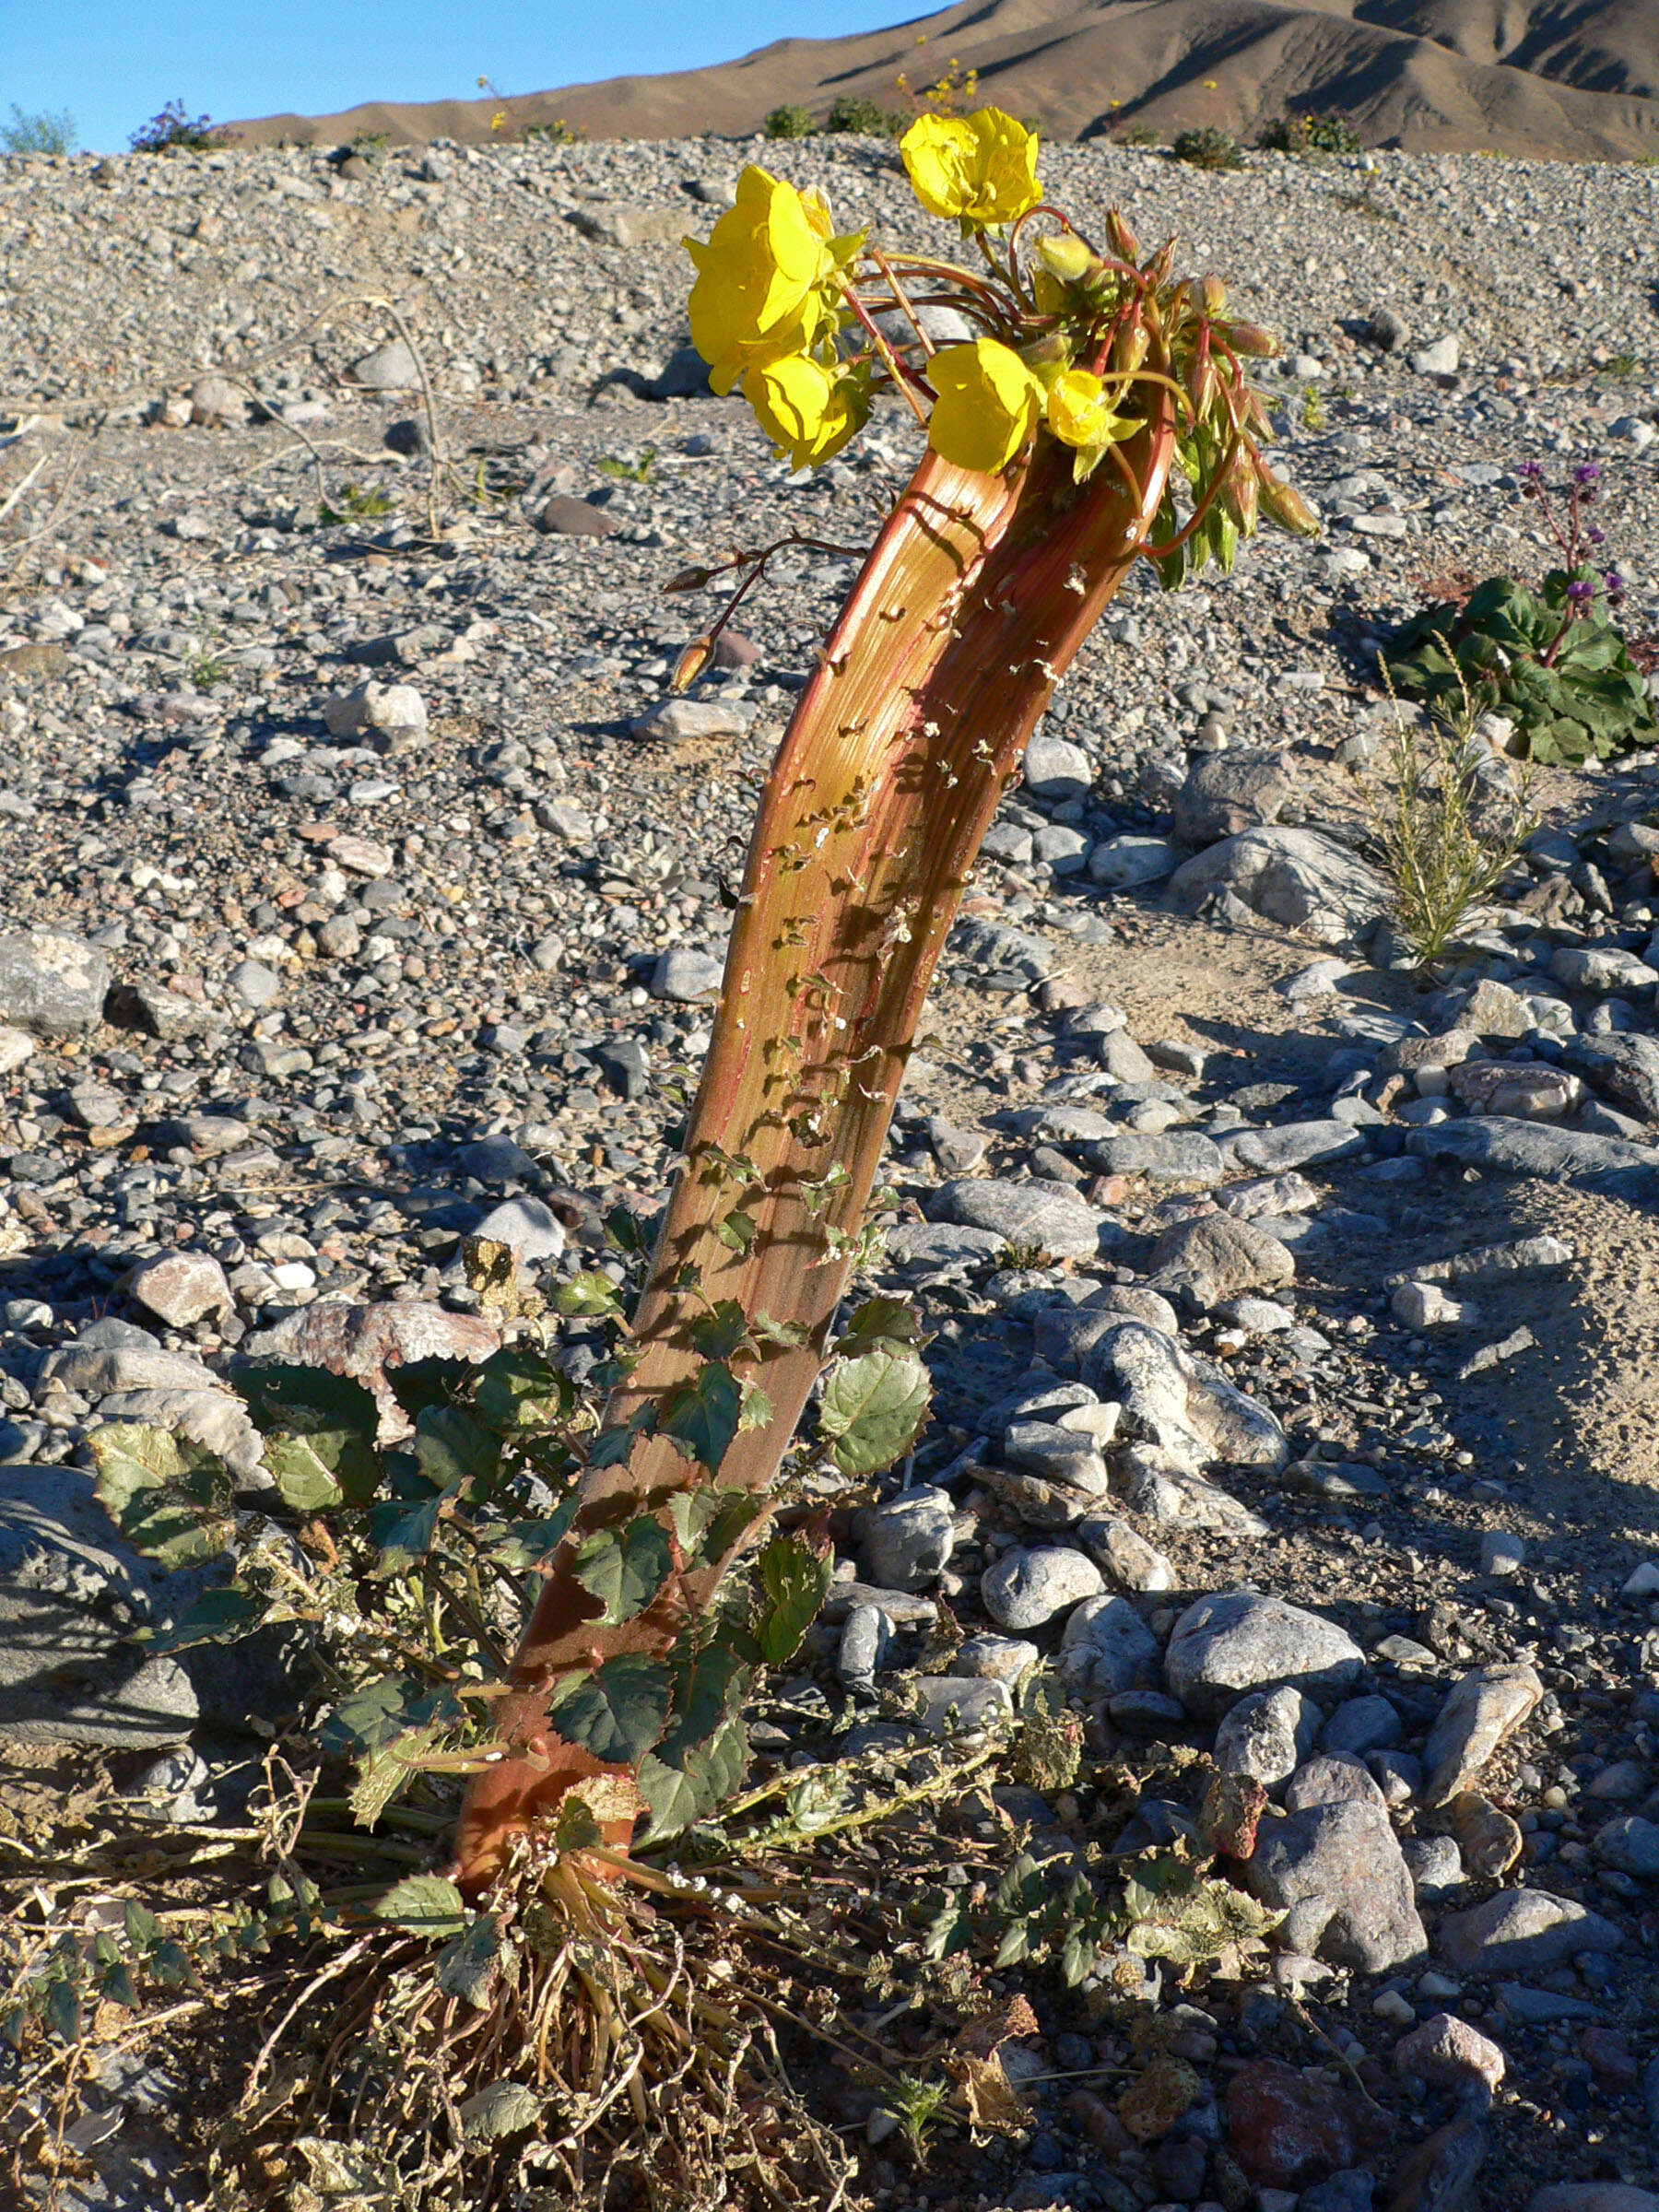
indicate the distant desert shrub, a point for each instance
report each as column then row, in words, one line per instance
column 41, row 133
column 864, row 118
column 173, row 130
column 1208, row 148
column 789, row 122
column 1330, row 133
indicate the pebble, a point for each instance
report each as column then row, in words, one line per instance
column 1026, row 1589
column 1480, row 1711
column 1223, row 1647
column 906, row 1543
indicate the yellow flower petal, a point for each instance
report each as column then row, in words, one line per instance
column 987, row 405
column 979, row 168
column 808, row 411
column 762, row 260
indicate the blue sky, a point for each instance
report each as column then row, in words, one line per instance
column 113, row 63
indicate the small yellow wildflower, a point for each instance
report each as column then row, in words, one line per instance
column 980, row 168
column 1080, row 414
column 808, row 411
column 758, row 272
column 987, row 406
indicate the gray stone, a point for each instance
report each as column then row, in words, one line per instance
column 395, row 712
column 1266, row 1735
column 1631, row 1845
column 1598, row 968
column 1626, row 1065
column 1523, row 1931
column 1230, row 793
column 1123, row 1555
column 1436, row 1865
column 254, row 983
column 937, row 1244
column 622, row 224
column 1440, row 358
column 950, row 1702
column 215, row 401
column 1592, row 2197
column 1166, row 1156
column 531, row 1228
column 181, row 1287
column 906, row 1544
column 1519, row 1147
column 1336, row 1873
column 1184, row 1406
column 1217, row 1257
column 1055, row 768
column 684, row 976
column 51, row 985
column 1022, row 1214
column 1361, row 1725
column 1067, row 1455
column 565, row 516
column 995, row 1658
column 1297, row 877
column 1479, row 1711
column 390, row 368
column 1126, row 1062
column 1122, row 863
column 1026, row 1589
column 1224, row 1646
column 1293, row 1144
column 866, row 1639
column 1107, row 1648
column 1331, row 1778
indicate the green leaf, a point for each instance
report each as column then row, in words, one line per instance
column 613, row 1446
column 737, row 1231
column 302, row 1479
column 703, row 1417
column 518, row 1389
column 625, row 1568
column 589, row 1292
column 425, row 1902
column 63, row 2011
column 887, row 1323
column 370, row 1717
column 711, row 1520
column 872, row 1408
column 166, row 1495
column 709, row 1690
column 618, row 1711
column 385, row 1774
column 627, row 1231
column 723, row 1331
column 453, row 1446
column 142, row 1929
column 794, row 1578
column 468, row 1966
column 694, row 1782
column 427, row 1383
column 405, row 1531
column 117, row 1985
column 336, row 1418
column 525, row 1543
column 500, row 2108
column 216, row 1617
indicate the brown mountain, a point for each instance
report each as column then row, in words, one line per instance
column 1556, row 79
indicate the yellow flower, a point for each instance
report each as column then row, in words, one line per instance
column 1080, row 415
column 981, row 168
column 808, row 411
column 987, row 406
column 758, row 272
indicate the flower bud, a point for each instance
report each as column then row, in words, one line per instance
column 1065, row 256
column 689, row 580
column 1213, row 293
column 1280, row 504
column 1122, row 239
column 1251, row 338
column 692, row 663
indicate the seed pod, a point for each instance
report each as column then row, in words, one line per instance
column 1123, row 240
column 692, row 663
column 1280, row 504
column 689, row 580
column 1065, row 256
column 1213, row 294
column 1251, row 338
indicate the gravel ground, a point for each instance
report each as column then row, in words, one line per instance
column 360, row 889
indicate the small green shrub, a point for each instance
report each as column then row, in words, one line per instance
column 370, row 148
column 789, row 122
column 1140, row 134
column 172, row 131
column 557, row 133
column 1331, row 134
column 41, row 133
column 1208, row 148
column 864, row 118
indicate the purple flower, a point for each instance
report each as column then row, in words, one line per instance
column 1580, row 592
column 1592, row 536
column 1532, row 471
column 1587, row 472
column 1615, row 583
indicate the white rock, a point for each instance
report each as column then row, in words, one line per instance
column 1427, row 1306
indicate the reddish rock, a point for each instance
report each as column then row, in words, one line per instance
column 1442, row 2170
column 1611, row 2057
column 1448, row 2052
column 362, row 1342
column 1287, row 2130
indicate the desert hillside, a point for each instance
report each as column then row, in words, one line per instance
column 1558, row 80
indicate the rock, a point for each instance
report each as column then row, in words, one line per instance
column 531, row 1228
column 906, row 1544
column 618, row 223
column 1592, row 968
column 1064, row 1455
column 362, row 1342
column 1182, row 1406
column 995, row 1658
column 390, row 368
column 1332, row 1778
column 950, row 1702
column 1169, row 1155
column 215, row 401
column 181, row 1287
column 160, row 1013
column 1479, row 1711
column 866, row 1639
column 1630, row 1845
column 1351, row 2191
column 1536, row 1093
column 684, row 976
column 1289, row 2130
column 1055, row 768
column 1361, row 1725
column 51, row 985
column 1440, row 2174
column 1026, row 1588
column 1300, row 878
column 1022, row 1214
column 16, row 1047
column 1626, row 1065
column 1230, row 793
column 1294, row 1145
column 1427, row 1306
column 563, row 516
column 1448, row 2052
column 681, row 718
column 1501, row 1553
column 1336, row 1873
column 1224, row 1646
column 1123, row 1555
column 1217, row 1257
column 253, row 984
column 1440, row 357
column 366, row 856
column 1120, row 864
column 1124, row 1060
column 940, row 1244
column 1489, row 1843
column 1384, row 330
column 1265, row 1735
column 397, row 712
column 1107, row 1648
column 1524, row 1931
column 1516, row 1147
